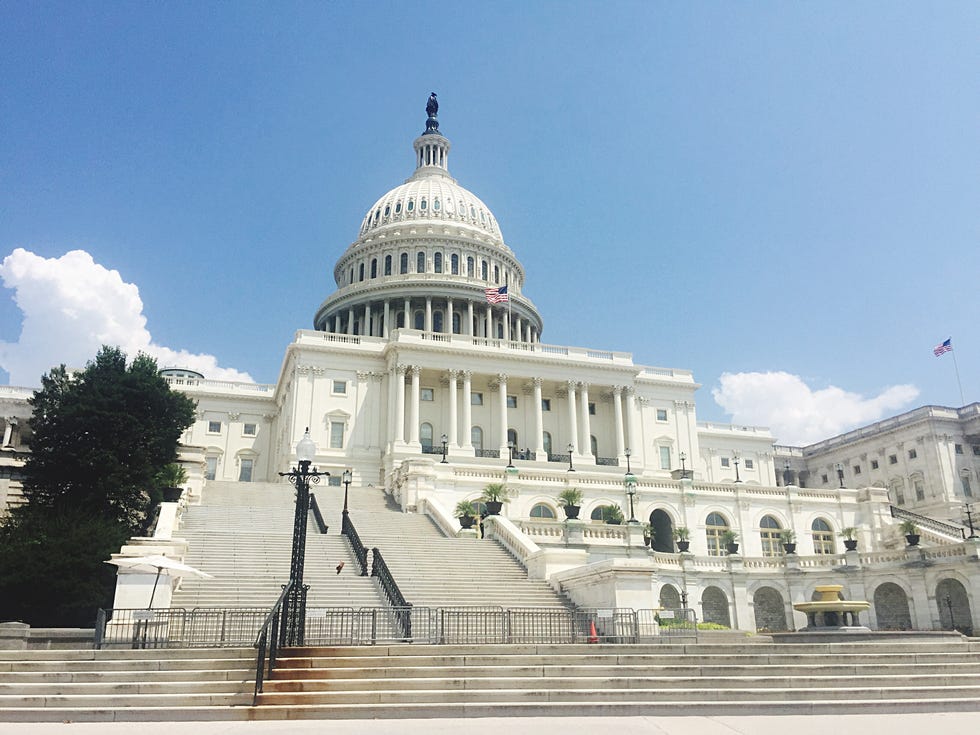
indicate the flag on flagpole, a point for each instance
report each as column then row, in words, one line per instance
column 496, row 295
column 942, row 349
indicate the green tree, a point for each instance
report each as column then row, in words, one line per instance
column 101, row 436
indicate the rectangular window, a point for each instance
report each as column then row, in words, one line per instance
column 248, row 430
column 476, row 399
column 661, row 414
column 511, row 401
column 892, row 459
column 857, row 469
column 874, row 464
column 913, row 454
column 900, row 497
column 665, row 458
column 336, row 434
column 725, row 462
column 545, row 404
column 959, row 449
column 920, row 490
column 245, row 470
column 591, row 409
column 214, row 427
column 427, row 394
column 334, row 481
column 823, row 479
column 211, row 468
column 967, row 489
column 750, row 464
column 976, row 450
column 340, row 387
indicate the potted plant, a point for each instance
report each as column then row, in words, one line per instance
column 850, row 543
column 648, row 534
column 682, row 535
column 730, row 539
column 170, row 480
column 788, row 537
column 571, row 500
column 495, row 494
column 911, row 532
column 611, row 514
column 466, row 512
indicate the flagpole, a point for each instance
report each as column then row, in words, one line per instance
column 511, row 336
column 960, row 384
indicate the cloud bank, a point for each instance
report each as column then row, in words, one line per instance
column 797, row 414
column 72, row 306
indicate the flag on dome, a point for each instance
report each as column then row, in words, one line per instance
column 943, row 348
column 496, row 295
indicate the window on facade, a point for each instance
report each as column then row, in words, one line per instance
column 594, row 446
column 769, row 533
column 823, row 479
column 591, row 409
column 437, row 321
column 400, row 319
column 511, row 401
column 470, row 267
column 454, row 264
column 661, row 414
column 913, row 454
column 874, row 464
column 967, row 488
column 857, row 469
column 665, row 458
column 214, row 427
column 750, row 464
column 476, row 438
column 387, row 265
column 427, row 394
column 420, row 319
column 210, row 467
column 483, row 270
column 714, row 526
column 725, row 462
column 437, row 262
column 423, row 205
column 360, row 272
column 546, row 440
column 958, row 448
column 512, row 439
column 411, row 205
column 248, row 430
column 457, row 323
column 374, row 268
column 425, row 436
column 542, row 511
column 340, row 387
column 476, row 399
column 823, row 537
column 920, row 489
column 496, row 274
column 398, row 207
column 336, row 434
column 892, row 459
column 403, row 263
column 420, row 262
column 545, row 404
column 244, row 470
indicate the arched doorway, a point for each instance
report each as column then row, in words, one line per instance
column 670, row 598
column 770, row 610
column 892, row 607
column 954, row 606
column 663, row 531
column 714, row 607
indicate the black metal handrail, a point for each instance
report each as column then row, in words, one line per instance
column 489, row 453
column 402, row 607
column 271, row 635
column 927, row 522
column 317, row 515
column 357, row 546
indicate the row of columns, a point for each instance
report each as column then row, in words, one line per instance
column 379, row 322
column 579, row 429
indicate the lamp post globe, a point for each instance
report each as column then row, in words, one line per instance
column 346, row 477
column 445, row 443
column 571, row 449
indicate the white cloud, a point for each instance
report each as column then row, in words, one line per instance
column 72, row 306
column 797, row 414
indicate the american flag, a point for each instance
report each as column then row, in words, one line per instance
column 496, row 295
column 943, row 348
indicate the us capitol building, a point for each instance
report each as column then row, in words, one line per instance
column 426, row 374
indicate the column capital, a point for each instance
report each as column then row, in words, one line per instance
column 415, row 370
column 582, row 385
column 536, row 382
column 453, row 374
column 401, row 369
column 501, row 377
column 617, row 391
column 466, row 374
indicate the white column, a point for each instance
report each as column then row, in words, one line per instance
column 467, row 442
column 453, row 423
column 635, row 444
column 538, row 421
column 448, row 324
column 386, row 327
column 350, row 320
column 400, row 403
column 489, row 323
column 586, row 443
column 428, row 313
column 413, row 409
column 336, row 323
column 469, row 319
column 502, row 403
column 519, row 331
column 409, row 324
column 506, row 317
column 572, row 422
column 618, row 420
column 366, row 329
column 8, row 431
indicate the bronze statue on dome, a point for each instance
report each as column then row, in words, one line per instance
column 432, row 110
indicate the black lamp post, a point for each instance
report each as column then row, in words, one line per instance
column 969, row 520
column 628, row 453
column 294, row 606
column 445, row 443
column 347, row 479
column 840, row 473
column 631, row 491
column 735, row 459
column 683, row 458
column 571, row 448
column 510, row 454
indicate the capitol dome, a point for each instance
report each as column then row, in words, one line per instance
column 425, row 255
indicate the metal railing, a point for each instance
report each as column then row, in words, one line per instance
column 490, row 453
column 401, row 608
column 927, row 522
column 270, row 636
column 178, row 627
column 357, row 546
column 317, row 515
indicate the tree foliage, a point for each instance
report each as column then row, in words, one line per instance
column 101, row 436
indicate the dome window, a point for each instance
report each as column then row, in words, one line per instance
column 377, row 216
column 437, row 267
column 435, row 204
column 422, row 205
column 374, row 268
column 387, row 265
column 462, row 208
column 360, row 272
column 454, row 264
column 411, row 205
column 387, row 210
column 420, row 262
column 484, row 271
column 482, row 218
column 403, row 264
column 398, row 207
column 470, row 267
column 472, row 212
column 496, row 274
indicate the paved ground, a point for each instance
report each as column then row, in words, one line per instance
column 915, row 724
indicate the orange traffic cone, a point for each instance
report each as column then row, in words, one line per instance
column 593, row 636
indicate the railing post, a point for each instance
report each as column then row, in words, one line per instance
column 100, row 622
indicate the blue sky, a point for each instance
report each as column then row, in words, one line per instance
column 786, row 193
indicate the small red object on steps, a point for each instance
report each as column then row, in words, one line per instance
column 593, row 636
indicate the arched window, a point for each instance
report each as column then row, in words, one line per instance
column 437, row 262
column 823, row 537
column 435, row 204
column 420, row 262
column 714, row 526
column 360, row 272
column 542, row 511
column 351, row 276
column 594, row 446
column 387, row 265
column 387, row 210
column 496, row 274
column 422, row 205
column 476, row 438
column 484, row 270
column 454, row 264
column 411, row 205
column 512, row 439
column 437, row 324
column 425, row 436
column 547, row 441
column 374, row 268
column 400, row 319
column 403, row 263
column 398, row 207
column 470, row 266
column 769, row 534
column 419, row 319
column 457, row 323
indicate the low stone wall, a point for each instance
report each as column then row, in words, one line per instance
column 20, row 636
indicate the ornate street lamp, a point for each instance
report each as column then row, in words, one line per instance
column 683, row 458
column 445, row 442
column 735, row 459
column 631, row 491
column 840, row 473
column 968, row 509
column 294, row 606
column 571, row 448
column 347, row 477
column 510, row 454
column 628, row 453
